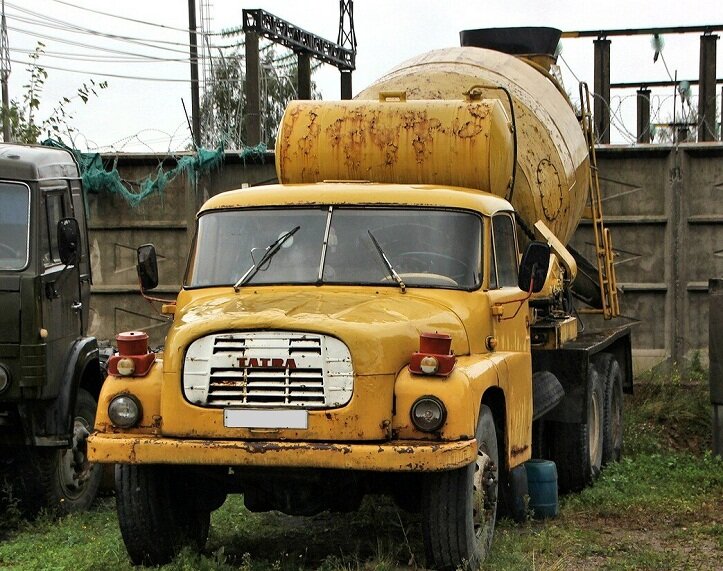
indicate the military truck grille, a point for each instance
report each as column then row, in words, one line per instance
column 271, row 369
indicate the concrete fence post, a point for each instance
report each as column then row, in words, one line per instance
column 715, row 352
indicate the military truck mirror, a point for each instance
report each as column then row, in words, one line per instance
column 147, row 266
column 68, row 240
column 533, row 268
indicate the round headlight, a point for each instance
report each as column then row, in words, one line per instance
column 124, row 411
column 428, row 414
column 4, row 378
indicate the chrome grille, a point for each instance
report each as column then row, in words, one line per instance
column 268, row 369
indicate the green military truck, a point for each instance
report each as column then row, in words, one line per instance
column 50, row 371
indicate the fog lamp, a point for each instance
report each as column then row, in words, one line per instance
column 429, row 364
column 428, row 413
column 124, row 411
column 126, row 366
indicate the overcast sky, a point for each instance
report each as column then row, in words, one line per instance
column 136, row 115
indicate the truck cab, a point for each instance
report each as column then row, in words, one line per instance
column 50, row 374
column 297, row 369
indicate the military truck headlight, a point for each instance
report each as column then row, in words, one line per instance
column 124, row 411
column 4, row 378
column 428, row 413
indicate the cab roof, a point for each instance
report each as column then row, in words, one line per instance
column 358, row 192
column 35, row 162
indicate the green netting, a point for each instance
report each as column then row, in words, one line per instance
column 97, row 179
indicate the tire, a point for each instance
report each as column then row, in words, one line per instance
column 612, row 379
column 155, row 520
column 61, row 481
column 547, row 392
column 577, row 447
column 459, row 507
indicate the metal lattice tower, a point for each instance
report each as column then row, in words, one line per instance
column 5, row 73
column 204, row 56
column 346, row 37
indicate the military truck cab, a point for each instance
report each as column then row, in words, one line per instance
column 50, row 374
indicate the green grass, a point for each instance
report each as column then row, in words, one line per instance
column 659, row 508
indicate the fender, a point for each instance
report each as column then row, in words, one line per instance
column 55, row 426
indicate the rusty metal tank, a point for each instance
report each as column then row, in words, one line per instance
column 413, row 125
column 451, row 143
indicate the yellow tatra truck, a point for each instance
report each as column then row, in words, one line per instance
column 371, row 323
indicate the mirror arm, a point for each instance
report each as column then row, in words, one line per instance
column 520, row 301
column 151, row 298
column 51, row 288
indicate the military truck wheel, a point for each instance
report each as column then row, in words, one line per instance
column 459, row 507
column 61, row 481
column 577, row 448
column 75, row 480
column 155, row 519
column 612, row 380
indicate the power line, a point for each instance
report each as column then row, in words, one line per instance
column 54, row 23
column 120, row 76
column 184, row 30
column 96, row 58
column 44, row 36
column 106, row 74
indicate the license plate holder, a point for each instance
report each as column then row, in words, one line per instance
column 265, row 418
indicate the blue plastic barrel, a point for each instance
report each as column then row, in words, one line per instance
column 542, row 485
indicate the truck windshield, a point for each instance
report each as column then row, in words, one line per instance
column 334, row 245
column 14, row 225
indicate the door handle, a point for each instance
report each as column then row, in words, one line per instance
column 76, row 306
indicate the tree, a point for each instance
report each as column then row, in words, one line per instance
column 22, row 115
column 223, row 104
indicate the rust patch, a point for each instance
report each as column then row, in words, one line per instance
column 263, row 447
column 517, row 450
column 404, row 450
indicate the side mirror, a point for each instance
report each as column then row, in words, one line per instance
column 533, row 267
column 147, row 266
column 68, row 240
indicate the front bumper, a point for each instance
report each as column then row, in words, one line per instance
column 400, row 456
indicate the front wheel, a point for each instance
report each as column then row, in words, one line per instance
column 156, row 519
column 61, row 481
column 459, row 507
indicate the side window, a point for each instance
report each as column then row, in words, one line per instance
column 54, row 209
column 505, row 249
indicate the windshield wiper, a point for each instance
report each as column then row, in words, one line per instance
column 392, row 272
column 270, row 252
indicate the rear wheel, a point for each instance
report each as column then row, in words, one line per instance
column 577, row 448
column 156, row 521
column 459, row 507
column 612, row 379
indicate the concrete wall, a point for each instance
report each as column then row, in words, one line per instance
column 166, row 220
column 664, row 207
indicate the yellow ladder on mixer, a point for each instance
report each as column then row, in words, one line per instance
column 603, row 241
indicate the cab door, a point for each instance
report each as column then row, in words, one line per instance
column 510, row 326
column 61, row 304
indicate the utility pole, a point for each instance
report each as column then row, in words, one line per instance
column 5, row 74
column 195, row 97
